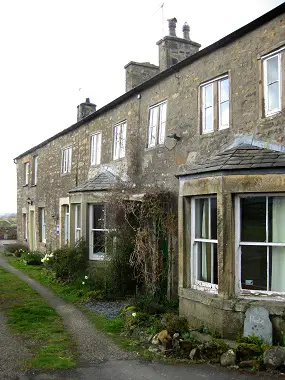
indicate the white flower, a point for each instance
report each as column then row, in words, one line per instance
column 83, row 282
column 134, row 314
column 86, row 277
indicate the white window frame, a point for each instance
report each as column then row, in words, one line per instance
column 25, row 226
column 77, row 218
column 26, row 173
column 66, row 223
column 157, row 128
column 216, row 104
column 35, row 170
column 239, row 244
column 66, row 160
column 95, row 148
column 266, row 84
column 223, row 126
column 43, row 224
column 119, row 140
column 195, row 283
column 94, row 256
column 204, row 108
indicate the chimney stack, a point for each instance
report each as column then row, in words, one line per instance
column 172, row 26
column 186, row 31
column 85, row 109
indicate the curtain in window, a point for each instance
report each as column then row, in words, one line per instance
column 278, row 254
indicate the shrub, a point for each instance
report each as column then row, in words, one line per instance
column 17, row 249
column 69, row 263
column 174, row 324
column 32, row 258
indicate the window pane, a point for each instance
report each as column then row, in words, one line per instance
column 276, row 219
column 224, row 90
column 98, row 216
column 202, row 218
column 153, row 123
column 254, row 267
column 78, row 216
column 224, row 114
column 273, row 96
column 208, row 96
column 213, row 218
column 207, row 262
column 208, row 126
column 253, row 219
column 272, row 70
column 277, row 269
column 98, row 242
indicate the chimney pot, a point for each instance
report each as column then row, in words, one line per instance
column 186, row 31
column 172, row 26
column 87, row 100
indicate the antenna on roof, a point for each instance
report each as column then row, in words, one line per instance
column 162, row 17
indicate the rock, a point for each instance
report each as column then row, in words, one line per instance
column 155, row 340
column 154, row 350
column 194, row 354
column 274, row 358
column 165, row 339
column 257, row 323
column 247, row 363
column 228, row 358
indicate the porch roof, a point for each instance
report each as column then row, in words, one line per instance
column 243, row 157
column 102, row 181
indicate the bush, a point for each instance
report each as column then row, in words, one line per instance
column 174, row 324
column 32, row 258
column 17, row 249
column 70, row 263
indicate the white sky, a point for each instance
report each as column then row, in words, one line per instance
column 52, row 48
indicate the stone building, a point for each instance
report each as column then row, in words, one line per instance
column 209, row 126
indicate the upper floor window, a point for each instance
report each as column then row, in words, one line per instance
column 119, row 149
column 204, row 243
column 35, row 170
column 215, row 105
column 272, row 87
column 95, row 148
column 26, row 173
column 66, row 160
column 157, row 123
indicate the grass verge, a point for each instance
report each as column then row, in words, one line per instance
column 40, row 326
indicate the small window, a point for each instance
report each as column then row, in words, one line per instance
column 95, row 148
column 272, row 83
column 42, row 215
column 66, row 160
column 261, row 243
column 157, row 124
column 98, row 231
column 119, row 149
column 204, row 243
column 77, row 218
column 26, row 173
column 35, row 170
column 215, row 105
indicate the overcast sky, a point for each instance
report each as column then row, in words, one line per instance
column 55, row 53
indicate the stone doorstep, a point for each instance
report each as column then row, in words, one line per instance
column 203, row 338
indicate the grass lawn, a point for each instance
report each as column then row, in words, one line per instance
column 36, row 322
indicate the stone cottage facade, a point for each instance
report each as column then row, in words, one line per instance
column 208, row 125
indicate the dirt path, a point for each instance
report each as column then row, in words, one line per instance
column 93, row 346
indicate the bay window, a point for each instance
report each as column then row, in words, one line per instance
column 97, row 232
column 204, row 261
column 261, row 243
column 77, row 221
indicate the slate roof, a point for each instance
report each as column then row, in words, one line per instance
column 102, row 181
column 243, row 157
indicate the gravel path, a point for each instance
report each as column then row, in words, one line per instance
column 109, row 309
column 93, row 346
column 12, row 352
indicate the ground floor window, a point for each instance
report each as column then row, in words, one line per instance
column 260, row 236
column 25, row 226
column 98, row 231
column 204, row 263
column 77, row 215
column 42, row 215
column 66, row 224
